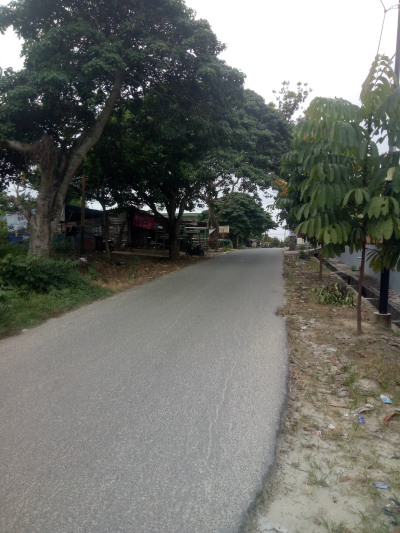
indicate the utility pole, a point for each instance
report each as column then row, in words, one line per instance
column 385, row 274
column 83, row 213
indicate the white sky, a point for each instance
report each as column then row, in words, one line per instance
column 328, row 44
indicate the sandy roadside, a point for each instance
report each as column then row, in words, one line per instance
column 329, row 458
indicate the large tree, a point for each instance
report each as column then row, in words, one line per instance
column 80, row 58
column 244, row 215
column 259, row 138
column 166, row 135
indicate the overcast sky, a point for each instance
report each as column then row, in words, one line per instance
column 328, row 44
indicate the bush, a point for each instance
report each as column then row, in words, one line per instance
column 32, row 273
column 8, row 297
column 62, row 246
column 12, row 249
column 3, row 232
column 336, row 294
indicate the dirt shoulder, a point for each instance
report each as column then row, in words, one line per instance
column 329, row 458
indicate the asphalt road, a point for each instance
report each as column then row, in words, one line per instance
column 155, row 411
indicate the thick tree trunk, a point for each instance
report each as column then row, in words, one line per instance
column 43, row 224
column 360, row 285
column 213, row 223
column 235, row 241
column 174, row 253
column 58, row 167
column 173, row 227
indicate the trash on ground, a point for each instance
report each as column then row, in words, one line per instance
column 361, row 419
column 266, row 526
column 303, row 327
column 364, row 409
column 388, row 418
column 83, row 259
column 339, row 405
column 334, row 362
column 385, row 399
column 319, row 433
column 331, row 349
column 331, row 426
column 396, row 457
column 382, row 486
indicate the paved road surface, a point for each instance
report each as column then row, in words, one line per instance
column 155, row 411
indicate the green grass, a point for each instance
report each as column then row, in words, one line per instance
column 34, row 308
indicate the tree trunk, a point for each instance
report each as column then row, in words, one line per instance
column 235, row 241
column 120, row 234
column 105, row 231
column 360, row 285
column 43, row 224
column 321, row 261
column 174, row 252
column 58, row 167
column 213, row 223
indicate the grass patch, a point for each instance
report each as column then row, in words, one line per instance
column 33, row 308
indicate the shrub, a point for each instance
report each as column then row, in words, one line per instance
column 12, row 249
column 3, row 232
column 8, row 297
column 336, row 294
column 62, row 246
column 39, row 274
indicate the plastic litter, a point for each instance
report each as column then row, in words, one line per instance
column 385, row 399
column 331, row 426
column 361, row 419
column 303, row 327
column 266, row 526
column 364, row 409
column 319, row 433
column 396, row 457
column 331, row 349
column 83, row 259
column 393, row 512
column 382, row 486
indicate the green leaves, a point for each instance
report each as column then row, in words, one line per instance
column 390, row 107
column 333, row 109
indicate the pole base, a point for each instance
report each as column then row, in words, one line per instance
column 384, row 321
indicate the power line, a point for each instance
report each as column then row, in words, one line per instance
column 383, row 25
column 395, row 6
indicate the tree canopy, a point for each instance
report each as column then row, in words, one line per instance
column 337, row 180
column 80, row 59
column 244, row 215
